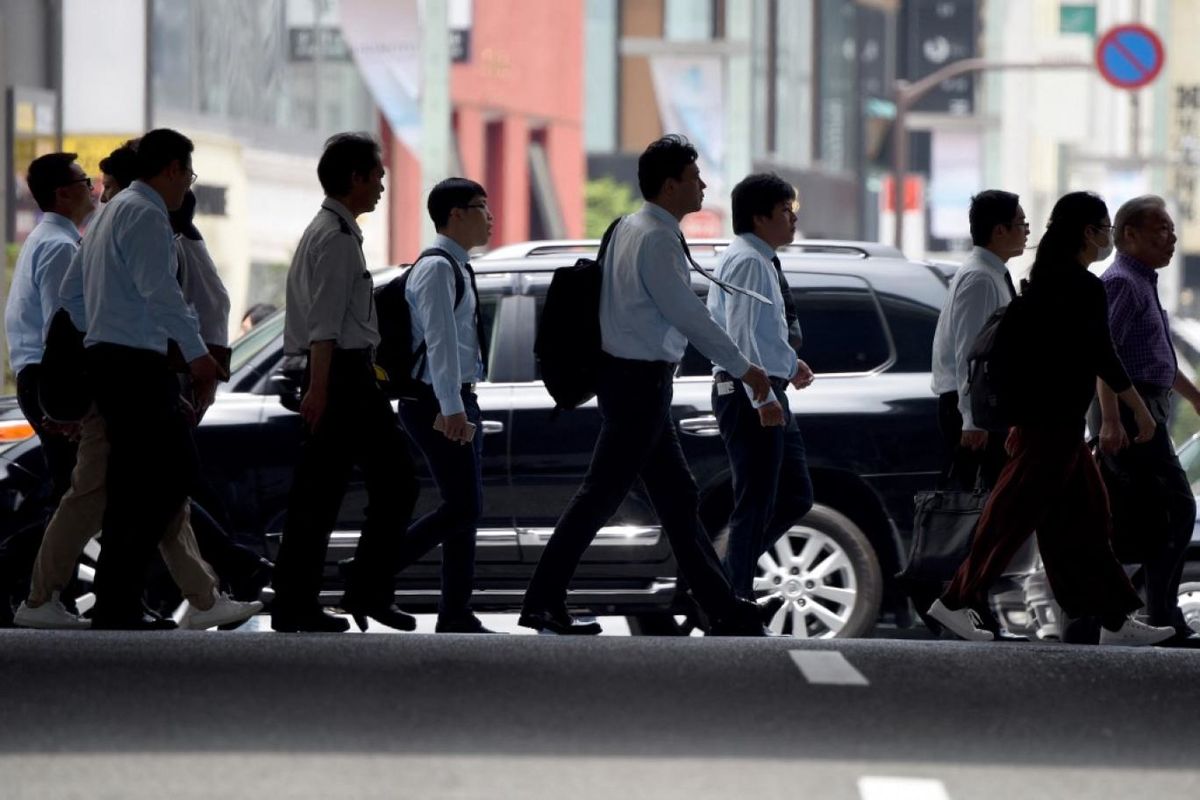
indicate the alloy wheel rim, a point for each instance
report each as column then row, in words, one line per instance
column 815, row 579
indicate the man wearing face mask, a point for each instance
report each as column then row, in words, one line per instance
column 1165, row 507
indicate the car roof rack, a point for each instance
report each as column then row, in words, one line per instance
column 560, row 247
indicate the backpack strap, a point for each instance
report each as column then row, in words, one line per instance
column 419, row 354
column 605, row 239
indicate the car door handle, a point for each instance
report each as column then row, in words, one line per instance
column 700, row 426
column 491, row 426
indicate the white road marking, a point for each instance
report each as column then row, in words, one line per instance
column 884, row 788
column 827, row 666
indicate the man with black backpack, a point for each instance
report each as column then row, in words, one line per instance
column 648, row 313
column 331, row 319
column 447, row 351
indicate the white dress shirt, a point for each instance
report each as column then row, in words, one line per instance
column 203, row 289
column 977, row 289
column 33, row 297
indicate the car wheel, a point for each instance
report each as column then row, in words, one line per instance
column 823, row 576
column 1189, row 604
column 85, row 575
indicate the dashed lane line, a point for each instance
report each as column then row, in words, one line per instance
column 827, row 667
column 886, row 788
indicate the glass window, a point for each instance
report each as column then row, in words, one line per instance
column 912, row 326
column 843, row 331
column 251, row 343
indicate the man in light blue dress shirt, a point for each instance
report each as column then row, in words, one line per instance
column 648, row 314
column 122, row 292
column 64, row 194
column 771, row 485
column 443, row 419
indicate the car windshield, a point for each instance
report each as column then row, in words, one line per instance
column 251, row 343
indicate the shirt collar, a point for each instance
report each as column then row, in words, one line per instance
column 758, row 244
column 443, row 242
column 337, row 208
column 988, row 258
column 661, row 214
column 59, row 221
column 148, row 192
column 1131, row 264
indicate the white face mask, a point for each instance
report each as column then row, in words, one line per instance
column 1105, row 249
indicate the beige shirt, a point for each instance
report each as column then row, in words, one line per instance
column 329, row 290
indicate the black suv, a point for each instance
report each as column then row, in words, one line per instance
column 869, row 423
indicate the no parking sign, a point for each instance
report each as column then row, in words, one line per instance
column 1130, row 56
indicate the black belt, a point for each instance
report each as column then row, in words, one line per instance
column 721, row 376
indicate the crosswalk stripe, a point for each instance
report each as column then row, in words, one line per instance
column 888, row 788
column 827, row 667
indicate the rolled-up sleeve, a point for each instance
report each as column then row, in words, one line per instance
column 663, row 271
column 331, row 273
column 431, row 292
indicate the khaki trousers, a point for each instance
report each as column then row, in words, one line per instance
column 79, row 517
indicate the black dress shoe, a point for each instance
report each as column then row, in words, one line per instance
column 559, row 622
column 313, row 621
column 744, row 618
column 248, row 586
column 388, row 614
column 142, row 622
column 468, row 624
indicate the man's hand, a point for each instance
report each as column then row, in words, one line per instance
column 455, row 427
column 1113, row 438
column 205, row 374
column 1145, row 425
column 973, row 440
column 771, row 415
column 312, row 407
column 804, row 375
column 758, row 382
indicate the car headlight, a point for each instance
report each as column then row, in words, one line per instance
column 13, row 432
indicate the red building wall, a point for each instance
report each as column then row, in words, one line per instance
column 524, row 78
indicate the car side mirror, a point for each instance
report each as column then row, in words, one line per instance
column 287, row 386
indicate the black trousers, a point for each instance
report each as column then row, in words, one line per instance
column 963, row 465
column 58, row 451
column 152, row 466
column 771, row 485
column 358, row 428
column 457, row 472
column 1154, row 509
column 637, row 441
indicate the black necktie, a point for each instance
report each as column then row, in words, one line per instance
column 1012, row 290
column 789, row 306
column 728, row 289
column 480, row 333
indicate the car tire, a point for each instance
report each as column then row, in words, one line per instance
column 827, row 575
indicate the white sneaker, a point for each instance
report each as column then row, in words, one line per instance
column 1136, row 634
column 963, row 623
column 51, row 615
column 225, row 610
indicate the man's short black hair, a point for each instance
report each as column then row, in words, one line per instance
column 158, row 148
column 47, row 174
column 122, row 163
column 757, row 196
column 347, row 155
column 258, row 312
column 450, row 194
column 989, row 209
column 664, row 158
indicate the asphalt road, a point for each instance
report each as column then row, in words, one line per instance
column 212, row 715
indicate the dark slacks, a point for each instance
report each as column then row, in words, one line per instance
column 1051, row 485
column 1163, row 509
column 152, row 466
column 963, row 465
column 637, row 441
column 457, row 472
column 358, row 428
column 58, row 451
column 771, row 485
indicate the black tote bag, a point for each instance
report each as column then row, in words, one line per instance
column 943, row 527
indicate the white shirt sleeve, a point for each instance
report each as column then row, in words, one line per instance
column 432, row 290
column 204, row 291
column 977, row 299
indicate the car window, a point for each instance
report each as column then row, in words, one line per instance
column 251, row 343
column 842, row 328
column 912, row 325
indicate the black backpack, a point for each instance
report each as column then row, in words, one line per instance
column 994, row 379
column 568, row 336
column 395, row 358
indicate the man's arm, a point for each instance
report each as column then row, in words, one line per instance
column 432, row 292
column 742, row 312
column 1122, row 308
column 1113, row 438
column 316, row 397
column 203, row 289
column 1187, row 390
column 54, row 261
column 70, row 294
column 976, row 300
column 150, row 256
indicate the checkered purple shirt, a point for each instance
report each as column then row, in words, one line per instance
column 1139, row 326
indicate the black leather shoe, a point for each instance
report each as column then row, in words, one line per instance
column 248, row 586
column 142, row 622
column 744, row 618
column 468, row 624
column 314, row 621
column 389, row 614
column 559, row 622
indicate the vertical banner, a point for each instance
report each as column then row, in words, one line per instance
column 956, row 174
column 690, row 91
column 385, row 40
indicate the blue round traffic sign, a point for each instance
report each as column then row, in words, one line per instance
column 1130, row 56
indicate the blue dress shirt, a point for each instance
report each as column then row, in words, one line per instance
column 121, row 286
column 33, row 297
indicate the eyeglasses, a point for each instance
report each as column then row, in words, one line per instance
column 88, row 181
column 1021, row 224
column 192, row 179
column 484, row 206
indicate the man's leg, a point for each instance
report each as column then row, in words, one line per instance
column 181, row 554
column 793, row 488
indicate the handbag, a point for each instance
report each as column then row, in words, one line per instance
column 943, row 527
